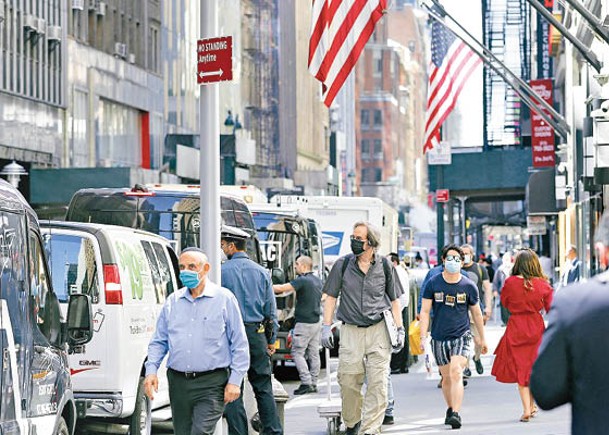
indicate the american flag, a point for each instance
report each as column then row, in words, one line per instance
column 339, row 32
column 452, row 63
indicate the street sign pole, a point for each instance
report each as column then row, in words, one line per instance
column 209, row 143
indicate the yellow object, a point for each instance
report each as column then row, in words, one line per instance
column 277, row 344
column 414, row 338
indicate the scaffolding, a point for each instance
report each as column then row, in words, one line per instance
column 506, row 26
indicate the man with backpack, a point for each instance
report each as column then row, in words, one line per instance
column 479, row 275
column 368, row 286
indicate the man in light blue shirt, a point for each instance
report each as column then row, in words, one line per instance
column 201, row 328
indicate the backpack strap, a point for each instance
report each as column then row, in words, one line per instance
column 386, row 269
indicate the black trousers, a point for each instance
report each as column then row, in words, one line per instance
column 259, row 376
column 196, row 404
column 399, row 361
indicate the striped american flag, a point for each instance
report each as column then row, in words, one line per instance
column 452, row 63
column 339, row 32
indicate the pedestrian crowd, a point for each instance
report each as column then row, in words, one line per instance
column 365, row 301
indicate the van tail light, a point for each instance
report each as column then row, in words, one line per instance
column 112, row 285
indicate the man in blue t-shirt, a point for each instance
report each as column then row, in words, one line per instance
column 307, row 330
column 451, row 295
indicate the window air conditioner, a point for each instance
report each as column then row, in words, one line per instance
column 42, row 26
column 101, row 8
column 54, row 33
column 30, row 23
column 131, row 58
column 120, row 50
column 78, row 4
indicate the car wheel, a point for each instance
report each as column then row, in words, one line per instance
column 140, row 422
column 62, row 427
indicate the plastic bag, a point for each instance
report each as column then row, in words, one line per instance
column 414, row 338
column 429, row 358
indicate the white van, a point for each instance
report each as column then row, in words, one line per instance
column 128, row 274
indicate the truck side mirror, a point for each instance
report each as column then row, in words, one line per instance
column 80, row 320
column 277, row 275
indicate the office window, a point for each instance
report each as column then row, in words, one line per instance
column 371, row 175
column 365, row 149
column 377, row 60
column 378, row 149
column 378, row 119
column 119, row 136
column 365, row 119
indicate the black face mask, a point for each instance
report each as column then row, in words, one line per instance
column 357, row 247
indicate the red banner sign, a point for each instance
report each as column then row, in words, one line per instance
column 442, row 195
column 215, row 60
column 542, row 133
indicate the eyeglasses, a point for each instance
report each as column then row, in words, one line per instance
column 455, row 258
column 357, row 238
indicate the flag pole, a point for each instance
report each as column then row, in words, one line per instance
column 488, row 53
column 562, row 131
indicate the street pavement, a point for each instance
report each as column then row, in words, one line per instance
column 488, row 407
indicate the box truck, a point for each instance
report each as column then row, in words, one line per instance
column 336, row 216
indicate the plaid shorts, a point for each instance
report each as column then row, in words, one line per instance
column 444, row 349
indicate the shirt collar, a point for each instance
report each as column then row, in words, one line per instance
column 211, row 290
column 239, row 254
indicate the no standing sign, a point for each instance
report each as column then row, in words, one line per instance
column 215, row 60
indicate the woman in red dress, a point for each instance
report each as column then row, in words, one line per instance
column 524, row 294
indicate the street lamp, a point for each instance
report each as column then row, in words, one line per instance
column 13, row 172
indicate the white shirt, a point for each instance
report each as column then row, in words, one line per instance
column 405, row 281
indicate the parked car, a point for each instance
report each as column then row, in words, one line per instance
column 127, row 274
column 36, row 395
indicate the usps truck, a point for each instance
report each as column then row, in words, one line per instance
column 336, row 216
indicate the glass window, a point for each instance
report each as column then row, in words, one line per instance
column 364, row 119
column 77, row 127
column 378, row 118
column 165, row 268
column 378, row 148
column 118, row 140
column 46, row 312
column 72, row 260
column 365, row 146
column 157, row 281
column 378, row 62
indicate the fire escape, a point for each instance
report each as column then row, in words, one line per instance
column 506, row 26
column 260, row 62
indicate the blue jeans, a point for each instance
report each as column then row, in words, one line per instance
column 390, row 397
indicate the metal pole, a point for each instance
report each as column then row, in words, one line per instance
column 209, row 144
column 525, row 88
column 585, row 51
column 525, row 98
column 590, row 18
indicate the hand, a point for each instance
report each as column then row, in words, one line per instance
column 422, row 343
column 483, row 346
column 327, row 338
column 401, row 337
column 270, row 349
column 231, row 393
column 151, row 385
column 485, row 317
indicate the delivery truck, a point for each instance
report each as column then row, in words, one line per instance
column 336, row 216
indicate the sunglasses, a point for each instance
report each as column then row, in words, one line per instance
column 455, row 258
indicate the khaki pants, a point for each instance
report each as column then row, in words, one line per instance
column 364, row 353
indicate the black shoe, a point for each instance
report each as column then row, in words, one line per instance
column 353, row 430
column 479, row 367
column 313, row 388
column 467, row 372
column 405, row 370
column 465, row 382
column 396, row 371
column 449, row 412
column 387, row 420
column 454, row 420
column 303, row 389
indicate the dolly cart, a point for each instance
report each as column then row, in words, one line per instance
column 331, row 407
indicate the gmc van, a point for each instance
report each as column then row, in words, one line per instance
column 36, row 394
column 127, row 274
column 171, row 211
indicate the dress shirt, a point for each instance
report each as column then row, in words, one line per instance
column 251, row 284
column 201, row 334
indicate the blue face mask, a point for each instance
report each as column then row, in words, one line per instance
column 190, row 279
column 451, row 266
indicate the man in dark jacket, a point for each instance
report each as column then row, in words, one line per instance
column 573, row 354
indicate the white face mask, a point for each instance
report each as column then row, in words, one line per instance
column 467, row 259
